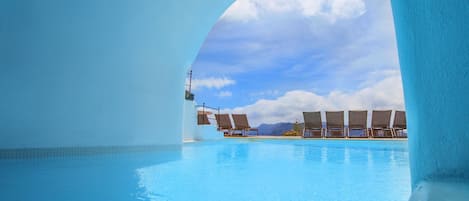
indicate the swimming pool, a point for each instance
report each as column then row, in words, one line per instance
column 229, row 169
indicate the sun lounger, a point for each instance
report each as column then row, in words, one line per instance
column 242, row 124
column 380, row 124
column 202, row 119
column 313, row 125
column 335, row 124
column 399, row 124
column 357, row 122
column 224, row 123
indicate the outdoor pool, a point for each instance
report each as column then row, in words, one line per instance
column 229, row 169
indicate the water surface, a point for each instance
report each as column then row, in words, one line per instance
column 230, row 169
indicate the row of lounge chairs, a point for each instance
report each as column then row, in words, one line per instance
column 241, row 123
column 357, row 121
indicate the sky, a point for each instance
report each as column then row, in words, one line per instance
column 274, row 59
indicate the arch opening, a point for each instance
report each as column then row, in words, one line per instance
column 325, row 61
column 430, row 85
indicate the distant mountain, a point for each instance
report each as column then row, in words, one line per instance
column 274, row 129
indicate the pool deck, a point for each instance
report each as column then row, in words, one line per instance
column 301, row 138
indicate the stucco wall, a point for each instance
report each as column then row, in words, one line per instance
column 434, row 57
column 208, row 132
column 97, row 72
column 189, row 120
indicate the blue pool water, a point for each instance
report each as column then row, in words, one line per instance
column 230, row 169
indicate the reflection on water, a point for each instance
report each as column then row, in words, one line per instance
column 346, row 156
column 324, row 154
column 230, row 153
column 392, row 160
column 282, row 170
column 370, row 159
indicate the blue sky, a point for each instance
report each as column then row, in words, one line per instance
column 273, row 59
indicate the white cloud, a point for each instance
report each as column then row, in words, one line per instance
column 246, row 10
column 265, row 93
column 241, row 10
column 347, row 8
column 363, row 44
column 384, row 94
column 212, row 82
column 224, row 94
column 277, row 6
column 311, row 8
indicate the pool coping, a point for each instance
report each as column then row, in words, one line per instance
column 59, row 152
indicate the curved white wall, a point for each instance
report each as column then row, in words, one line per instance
column 97, row 72
column 434, row 57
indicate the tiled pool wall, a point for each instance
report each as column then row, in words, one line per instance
column 41, row 153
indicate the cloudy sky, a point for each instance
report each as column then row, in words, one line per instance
column 274, row 59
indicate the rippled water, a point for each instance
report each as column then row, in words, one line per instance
column 230, row 169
